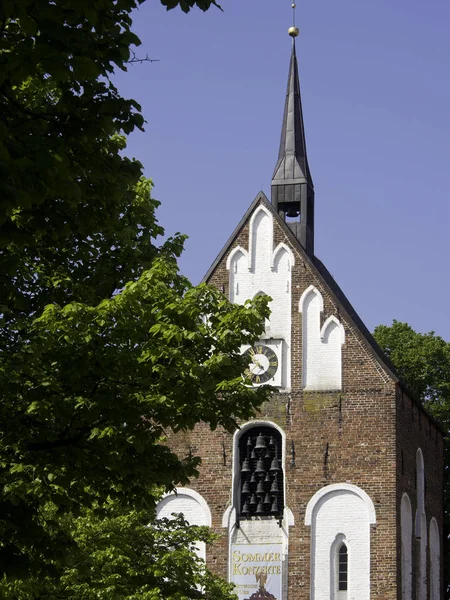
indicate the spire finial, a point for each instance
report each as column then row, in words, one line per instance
column 293, row 31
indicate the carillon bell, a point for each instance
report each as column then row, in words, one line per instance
column 274, row 468
column 249, row 442
column 260, row 509
column 271, row 441
column 260, row 442
column 260, row 489
column 260, row 466
column 245, row 488
column 253, row 455
column 274, row 488
column 267, row 479
column 274, row 507
column 253, row 478
column 291, row 212
column 267, row 454
column 245, row 466
column 267, row 500
column 253, row 500
column 245, row 509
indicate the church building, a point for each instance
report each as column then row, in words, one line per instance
column 335, row 490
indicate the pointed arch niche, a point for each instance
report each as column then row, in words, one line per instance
column 406, row 546
column 261, row 240
column 322, row 346
column 420, row 529
column 435, row 560
column 237, row 265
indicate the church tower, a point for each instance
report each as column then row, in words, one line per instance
column 334, row 491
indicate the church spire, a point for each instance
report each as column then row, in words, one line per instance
column 292, row 186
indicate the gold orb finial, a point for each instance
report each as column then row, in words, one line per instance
column 293, row 31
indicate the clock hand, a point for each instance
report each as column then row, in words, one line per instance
column 258, row 364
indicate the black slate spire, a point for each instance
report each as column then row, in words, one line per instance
column 292, row 185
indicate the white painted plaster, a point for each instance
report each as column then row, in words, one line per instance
column 279, row 251
column 237, row 267
column 330, row 325
column 348, row 487
column 261, row 269
column 435, row 560
column 340, row 511
column 261, row 240
column 421, row 528
column 322, row 347
column 420, row 473
column 406, row 536
column 310, row 290
column 233, row 253
column 194, row 508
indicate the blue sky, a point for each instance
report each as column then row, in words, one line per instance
column 375, row 81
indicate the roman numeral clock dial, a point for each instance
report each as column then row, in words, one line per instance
column 263, row 363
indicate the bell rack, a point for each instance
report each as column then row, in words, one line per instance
column 261, row 474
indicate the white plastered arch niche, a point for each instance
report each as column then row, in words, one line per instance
column 340, row 512
column 322, row 346
column 435, row 560
column 256, row 531
column 406, row 547
column 263, row 268
column 420, row 529
column 194, row 508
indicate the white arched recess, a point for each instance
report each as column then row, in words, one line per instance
column 256, row 531
column 406, row 548
column 340, row 513
column 263, row 268
column 435, row 560
column 193, row 506
column 421, row 528
column 322, row 347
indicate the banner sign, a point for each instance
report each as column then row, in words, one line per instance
column 256, row 571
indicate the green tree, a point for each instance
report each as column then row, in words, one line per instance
column 117, row 555
column 422, row 361
column 104, row 346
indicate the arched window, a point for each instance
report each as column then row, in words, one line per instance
column 342, row 571
column 261, row 478
column 339, row 568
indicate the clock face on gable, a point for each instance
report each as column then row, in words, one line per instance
column 264, row 363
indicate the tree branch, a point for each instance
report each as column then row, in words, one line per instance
column 134, row 59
